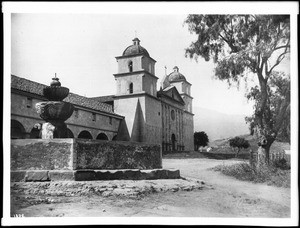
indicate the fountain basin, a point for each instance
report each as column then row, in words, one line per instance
column 55, row 93
column 54, row 110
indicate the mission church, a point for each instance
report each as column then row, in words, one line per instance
column 137, row 112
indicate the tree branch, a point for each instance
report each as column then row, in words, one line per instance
column 283, row 46
column 279, row 59
column 224, row 39
column 258, row 63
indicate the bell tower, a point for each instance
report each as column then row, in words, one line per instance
column 136, row 94
column 136, row 71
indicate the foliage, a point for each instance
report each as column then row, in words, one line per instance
column 238, row 143
column 267, row 174
column 242, row 44
column 278, row 91
column 200, row 139
column 281, row 164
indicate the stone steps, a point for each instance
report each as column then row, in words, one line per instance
column 93, row 175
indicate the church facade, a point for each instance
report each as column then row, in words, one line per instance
column 163, row 116
column 137, row 112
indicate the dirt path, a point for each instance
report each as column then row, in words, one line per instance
column 199, row 169
column 228, row 198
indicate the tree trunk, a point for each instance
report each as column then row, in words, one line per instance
column 264, row 143
column 237, row 153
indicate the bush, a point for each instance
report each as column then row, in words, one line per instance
column 238, row 143
column 243, row 171
column 200, row 139
column 281, row 164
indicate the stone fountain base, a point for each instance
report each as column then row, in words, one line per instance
column 80, row 160
column 92, row 175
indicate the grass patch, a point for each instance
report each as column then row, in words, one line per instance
column 269, row 175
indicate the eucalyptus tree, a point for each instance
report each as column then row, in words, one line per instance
column 239, row 44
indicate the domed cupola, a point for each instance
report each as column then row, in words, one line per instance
column 176, row 76
column 135, row 49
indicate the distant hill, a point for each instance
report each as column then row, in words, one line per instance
column 218, row 125
column 276, row 146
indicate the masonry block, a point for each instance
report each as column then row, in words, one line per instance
column 111, row 155
column 17, row 176
column 173, row 174
column 37, row 175
column 82, row 154
column 61, row 175
column 148, row 174
column 132, row 174
column 117, row 174
column 85, row 175
column 103, row 175
column 161, row 174
column 41, row 154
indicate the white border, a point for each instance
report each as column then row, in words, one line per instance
column 283, row 7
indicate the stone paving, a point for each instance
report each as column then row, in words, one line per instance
column 103, row 188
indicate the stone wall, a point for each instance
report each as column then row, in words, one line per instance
column 117, row 155
column 78, row 154
column 41, row 154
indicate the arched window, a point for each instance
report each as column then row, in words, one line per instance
column 131, row 87
column 102, row 136
column 70, row 133
column 114, row 138
column 130, row 66
column 85, row 135
column 17, row 130
column 35, row 133
column 173, row 114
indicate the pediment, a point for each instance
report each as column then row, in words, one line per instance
column 173, row 94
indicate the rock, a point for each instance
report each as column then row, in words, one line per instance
column 175, row 189
column 187, row 188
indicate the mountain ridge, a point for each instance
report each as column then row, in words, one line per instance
column 218, row 125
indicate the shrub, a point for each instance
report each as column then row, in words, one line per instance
column 281, row 164
column 238, row 143
column 243, row 171
column 200, row 139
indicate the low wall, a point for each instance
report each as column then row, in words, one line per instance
column 42, row 154
column 96, row 154
column 79, row 154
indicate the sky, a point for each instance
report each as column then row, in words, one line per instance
column 81, row 50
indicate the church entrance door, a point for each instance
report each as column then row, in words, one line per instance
column 173, row 139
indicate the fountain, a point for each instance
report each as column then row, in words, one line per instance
column 55, row 157
column 55, row 111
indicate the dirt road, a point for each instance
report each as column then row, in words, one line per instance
column 228, row 197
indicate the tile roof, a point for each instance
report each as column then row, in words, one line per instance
column 37, row 88
column 104, row 98
column 27, row 85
